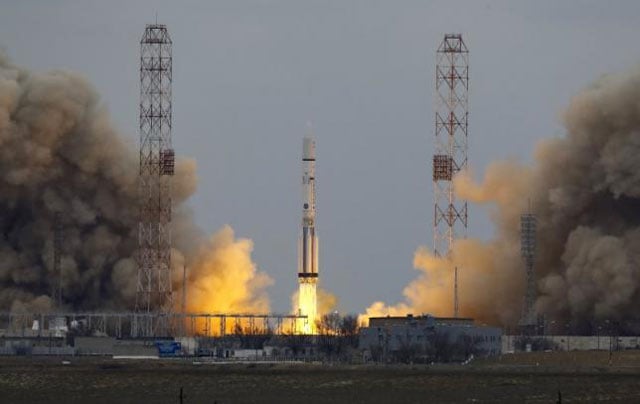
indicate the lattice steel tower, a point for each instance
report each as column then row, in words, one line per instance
column 58, row 242
column 450, row 156
column 154, row 290
column 528, row 224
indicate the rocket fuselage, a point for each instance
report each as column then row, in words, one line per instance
column 308, row 245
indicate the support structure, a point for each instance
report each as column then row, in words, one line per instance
column 456, row 303
column 450, row 215
column 183, row 308
column 184, row 288
column 528, row 226
column 122, row 324
column 157, row 159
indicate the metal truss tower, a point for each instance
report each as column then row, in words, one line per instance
column 57, row 256
column 528, row 223
column 154, row 289
column 451, row 131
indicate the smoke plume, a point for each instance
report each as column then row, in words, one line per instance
column 213, row 290
column 60, row 154
column 585, row 190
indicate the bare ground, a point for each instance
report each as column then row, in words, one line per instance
column 532, row 378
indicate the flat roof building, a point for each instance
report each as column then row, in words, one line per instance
column 428, row 339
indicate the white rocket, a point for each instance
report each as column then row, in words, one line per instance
column 308, row 243
column 308, row 257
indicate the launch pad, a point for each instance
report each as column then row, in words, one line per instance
column 125, row 324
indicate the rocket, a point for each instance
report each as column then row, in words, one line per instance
column 308, row 248
column 308, row 242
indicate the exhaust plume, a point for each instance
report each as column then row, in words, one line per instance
column 60, row 153
column 585, row 190
column 212, row 290
column 325, row 301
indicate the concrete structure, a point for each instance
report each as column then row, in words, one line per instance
column 246, row 354
column 510, row 343
column 97, row 346
column 34, row 345
column 425, row 335
column 107, row 346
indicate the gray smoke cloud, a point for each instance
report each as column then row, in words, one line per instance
column 588, row 201
column 60, row 153
column 585, row 190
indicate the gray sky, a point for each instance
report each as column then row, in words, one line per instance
column 248, row 75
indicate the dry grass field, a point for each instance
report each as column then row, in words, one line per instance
column 532, row 378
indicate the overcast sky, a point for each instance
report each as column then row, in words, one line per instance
column 248, row 75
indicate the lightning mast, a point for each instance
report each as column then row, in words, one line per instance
column 154, row 289
column 528, row 227
column 57, row 255
column 450, row 215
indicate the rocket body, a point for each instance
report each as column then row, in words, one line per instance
column 308, row 257
column 308, row 243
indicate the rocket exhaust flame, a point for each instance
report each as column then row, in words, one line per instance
column 307, row 305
